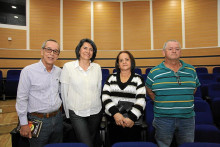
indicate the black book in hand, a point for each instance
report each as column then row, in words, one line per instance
column 35, row 126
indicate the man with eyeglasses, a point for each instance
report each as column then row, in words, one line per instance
column 38, row 97
column 171, row 85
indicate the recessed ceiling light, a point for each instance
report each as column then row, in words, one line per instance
column 14, row 7
column 15, row 16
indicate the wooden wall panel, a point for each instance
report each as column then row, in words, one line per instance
column 107, row 31
column 18, row 38
column 76, row 22
column 44, row 21
column 12, row 59
column 136, row 25
column 201, row 23
column 167, row 21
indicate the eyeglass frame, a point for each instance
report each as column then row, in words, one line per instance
column 177, row 78
column 49, row 50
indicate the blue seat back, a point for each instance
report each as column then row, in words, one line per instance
column 203, row 113
column 200, row 144
column 214, row 90
column 216, row 111
column 105, row 74
column 66, row 145
column 144, row 76
column 105, row 71
column 13, row 74
column 216, row 70
column 149, row 111
column 114, row 70
column 138, row 71
column 200, row 70
column 134, row 144
column 205, row 79
column 147, row 70
column 11, row 83
column 198, row 92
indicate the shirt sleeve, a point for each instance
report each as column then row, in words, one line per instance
column 23, row 96
column 64, row 95
column 100, row 81
column 149, row 80
column 139, row 105
column 64, row 77
column 197, row 79
column 110, row 107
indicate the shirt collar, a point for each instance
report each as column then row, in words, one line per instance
column 76, row 65
column 43, row 66
column 162, row 65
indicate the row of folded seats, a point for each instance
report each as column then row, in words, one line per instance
column 206, row 132
column 8, row 86
column 207, row 108
column 106, row 73
column 134, row 144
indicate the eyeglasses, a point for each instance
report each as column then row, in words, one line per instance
column 49, row 50
column 178, row 78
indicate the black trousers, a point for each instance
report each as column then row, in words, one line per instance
column 86, row 128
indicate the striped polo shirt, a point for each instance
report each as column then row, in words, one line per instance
column 173, row 90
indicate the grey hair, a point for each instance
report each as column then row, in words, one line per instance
column 165, row 44
column 45, row 42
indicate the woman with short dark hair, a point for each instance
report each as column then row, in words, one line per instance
column 124, row 92
column 81, row 90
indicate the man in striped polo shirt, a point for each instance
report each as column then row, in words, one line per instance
column 171, row 85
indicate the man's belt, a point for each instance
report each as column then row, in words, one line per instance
column 46, row 115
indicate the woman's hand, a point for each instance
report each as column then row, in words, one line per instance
column 128, row 122
column 119, row 119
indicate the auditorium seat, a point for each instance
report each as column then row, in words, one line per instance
column 11, row 83
column 112, row 133
column 105, row 71
column 198, row 92
column 214, row 90
column 149, row 116
column 200, row 144
column 215, row 104
column 136, row 70
column 216, row 70
column 105, row 74
column 205, row 80
column 216, row 73
column 201, row 70
column 134, row 144
column 205, row 130
column 66, row 145
column 144, row 76
column 147, row 70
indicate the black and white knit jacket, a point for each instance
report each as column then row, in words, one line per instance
column 133, row 91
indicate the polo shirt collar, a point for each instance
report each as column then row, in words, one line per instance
column 181, row 61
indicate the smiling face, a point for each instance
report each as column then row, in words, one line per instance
column 124, row 62
column 86, row 51
column 48, row 59
column 172, row 51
